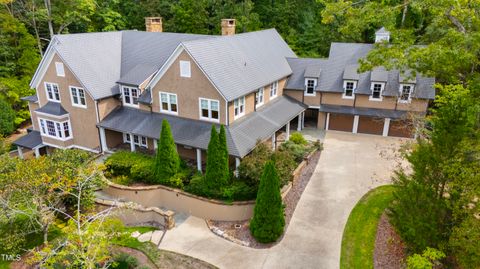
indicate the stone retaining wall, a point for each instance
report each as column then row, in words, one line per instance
column 178, row 200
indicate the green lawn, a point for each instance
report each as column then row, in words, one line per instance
column 358, row 241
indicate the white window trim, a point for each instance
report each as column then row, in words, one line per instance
column 381, row 92
column 140, row 144
column 185, row 73
column 209, row 110
column 131, row 98
column 345, row 88
column 46, row 92
column 314, row 87
column 46, row 134
column 259, row 104
column 244, row 106
column 412, row 88
column 169, row 111
column 60, row 67
column 276, row 90
column 78, row 96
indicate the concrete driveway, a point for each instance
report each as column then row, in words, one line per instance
column 349, row 166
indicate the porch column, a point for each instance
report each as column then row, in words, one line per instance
column 155, row 144
column 274, row 138
column 20, row 153
column 355, row 124
column 386, row 126
column 237, row 164
column 288, row 131
column 199, row 160
column 299, row 125
column 132, row 144
column 103, row 140
column 327, row 122
column 37, row 152
column 303, row 119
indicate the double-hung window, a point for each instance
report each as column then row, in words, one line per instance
column 209, row 109
column 259, row 97
column 405, row 93
column 53, row 93
column 239, row 107
column 349, row 88
column 78, row 96
column 168, row 103
column 310, row 86
column 130, row 96
column 55, row 129
column 138, row 140
column 273, row 89
column 377, row 89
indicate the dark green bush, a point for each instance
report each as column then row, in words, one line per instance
column 124, row 261
column 268, row 218
column 135, row 165
column 236, row 191
column 217, row 172
column 298, row 151
column 167, row 161
column 298, row 139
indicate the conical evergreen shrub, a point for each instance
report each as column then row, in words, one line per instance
column 222, row 137
column 268, row 220
column 216, row 174
column 167, row 161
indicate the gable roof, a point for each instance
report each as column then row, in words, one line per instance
column 242, row 63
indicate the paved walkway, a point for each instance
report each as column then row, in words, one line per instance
column 349, row 166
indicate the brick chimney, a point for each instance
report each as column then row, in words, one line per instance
column 153, row 24
column 228, row 26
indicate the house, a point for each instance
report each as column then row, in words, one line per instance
column 102, row 91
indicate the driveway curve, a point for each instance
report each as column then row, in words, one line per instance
column 350, row 165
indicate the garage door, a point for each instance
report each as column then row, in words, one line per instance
column 400, row 128
column 370, row 125
column 340, row 122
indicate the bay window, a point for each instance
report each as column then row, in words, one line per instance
column 55, row 129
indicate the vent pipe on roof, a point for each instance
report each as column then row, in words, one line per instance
column 228, row 26
column 153, row 24
column 382, row 35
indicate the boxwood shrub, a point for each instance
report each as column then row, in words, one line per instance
column 134, row 165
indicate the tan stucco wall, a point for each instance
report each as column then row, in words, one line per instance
column 32, row 107
column 335, row 99
column 312, row 100
column 181, row 202
column 415, row 105
column 188, row 90
column 56, row 142
column 83, row 120
column 322, row 118
column 113, row 138
column 105, row 106
column 295, row 94
column 386, row 103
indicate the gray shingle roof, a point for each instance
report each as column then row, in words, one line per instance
column 371, row 112
column 31, row 98
column 343, row 64
column 299, row 65
column 242, row 63
column 30, row 140
column 95, row 58
column 145, row 97
column 241, row 136
column 52, row 108
column 312, row 71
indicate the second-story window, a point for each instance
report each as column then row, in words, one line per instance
column 53, row 94
column 130, row 96
column 185, row 71
column 310, row 86
column 349, row 88
column 239, row 107
column 209, row 109
column 168, row 102
column 377, row 89
column 78, row 96
column 273, row 89
column 405, row 93
column 259, row 97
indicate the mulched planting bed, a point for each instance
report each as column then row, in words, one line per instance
column 389, row 249
column 241, row 233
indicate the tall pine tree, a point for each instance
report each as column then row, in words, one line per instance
column 222, row 136
column 216, row 174
column 268, row 220
column 167, row 162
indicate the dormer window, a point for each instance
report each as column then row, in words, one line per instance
column 377, row 89
column 349, row 88
column 310, row 85
column 405, row 93
column 130, row 96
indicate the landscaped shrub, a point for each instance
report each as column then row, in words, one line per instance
column 236, row 191
column 268, row 219
column 124, row 261
column 298, row 151
column 134, row 165
column 167, row 162
column 217, row 172
column 284, row 165
column 298, row 139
